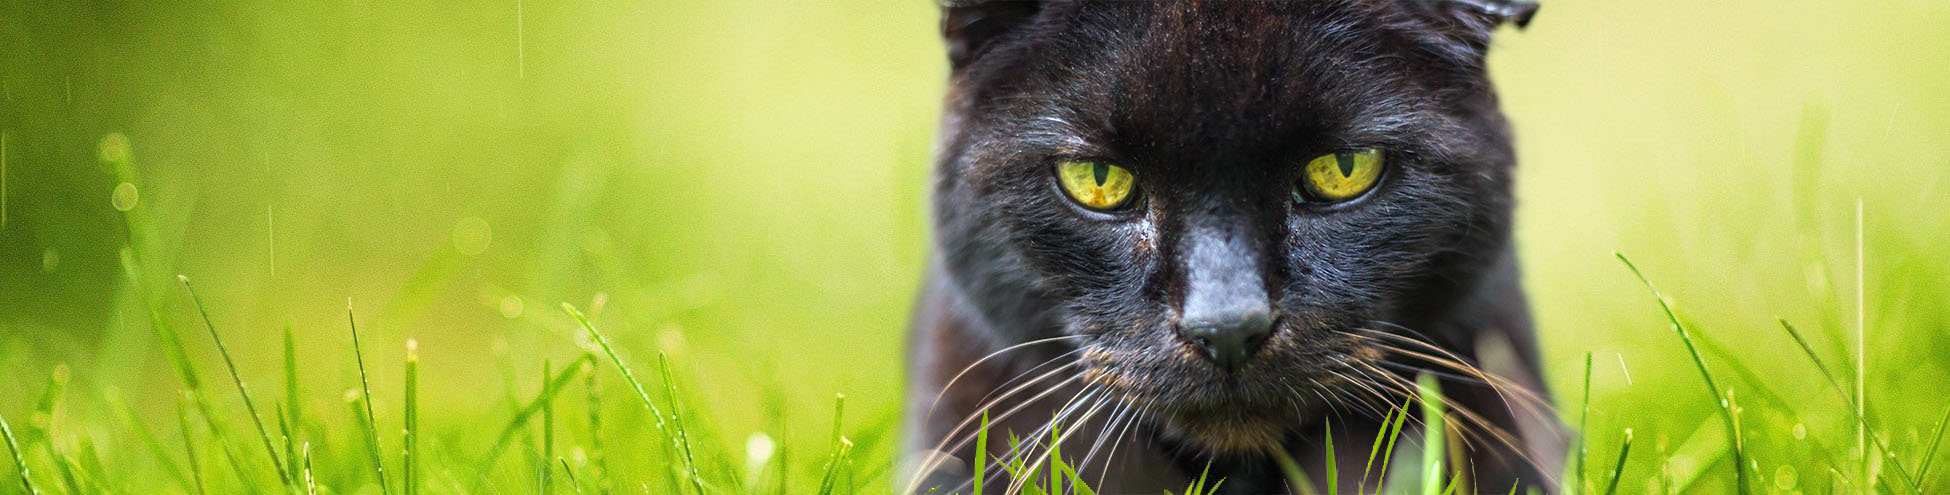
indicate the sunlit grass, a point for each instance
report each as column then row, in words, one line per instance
column 735, row 192
column 687, row 461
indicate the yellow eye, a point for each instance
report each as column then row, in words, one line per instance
column 1097, row 185
column 1341, row 176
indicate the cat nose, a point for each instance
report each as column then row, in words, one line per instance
column 1230, row 338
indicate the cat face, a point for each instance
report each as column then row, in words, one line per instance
column 1220, row 197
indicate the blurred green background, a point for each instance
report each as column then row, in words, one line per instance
column 742, row 184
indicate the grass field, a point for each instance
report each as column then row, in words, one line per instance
column 732, row 193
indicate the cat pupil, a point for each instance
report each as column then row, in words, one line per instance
column 1100, row 172
column 1345, row 160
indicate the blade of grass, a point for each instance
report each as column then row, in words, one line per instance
column 1808, row 350
column 1683, row 483
column 1388, row 452
column 20, row 464
column 284, row 433
column 1584, row 416
column 628, row 375
column 90, row 459
column 41, row 426
column 369, row 433
column 1454, row 481
column 677, row 420
column 66, row 467
column 1297, row 479
column 1759, row 388
column 293, row 398
column 178, row 355
column 981, row 451
column 238, row 379
column 571, row 474
column 883, row 428
column 1077, row 485
column 1374, row 448
column 775, row 413
column 511, row 395
column 1333, row 471
column 412, row 433
column 1618, row 470
column 595, row 410
column 1434, row 432
column 1013, row 466
column 1861, row 422
column 523, row 414
column 840, row 446
column 1726, row 413
column 369, row 420
column 1929, row 456
column 1861, row 356
column 1431, row 476
column 1055, row 455
column 548, row 430
column 635, row 385
column 189, row 441
column 311, row 481
column 1198, row 485
column 149, row 440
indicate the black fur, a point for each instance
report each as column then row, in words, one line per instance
column 1214, row 107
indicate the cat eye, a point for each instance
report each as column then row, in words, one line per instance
column 1096, row 185
column 1340, row 176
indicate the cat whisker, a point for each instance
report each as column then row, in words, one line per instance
column 1115, row 415
column 1483, row 428
column 1017, row 485
column 1130, row 423
column 1448, row 359
column 1538, row 408
column 1361, row 384
column 1060, row 360
column 992, row 355
column 941, row 449
column 1020, row 450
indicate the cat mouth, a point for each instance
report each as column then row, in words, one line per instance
column 1229, row 432
column 1241, row 411
column 1229, row 416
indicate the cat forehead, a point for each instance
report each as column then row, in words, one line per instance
column 1188, row 75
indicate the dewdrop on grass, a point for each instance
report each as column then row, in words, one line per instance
column 759, row 448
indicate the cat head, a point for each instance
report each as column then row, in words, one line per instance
column 1218, row 198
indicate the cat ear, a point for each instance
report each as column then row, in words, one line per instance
column 969, row 26
column 1470, row 22
column 1498, row 12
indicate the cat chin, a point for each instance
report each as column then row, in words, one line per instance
column 1227, row 434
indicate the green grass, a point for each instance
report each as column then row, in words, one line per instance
column 369, row 421
column 735, row 194
column 13, row 449
column 412, row 428
column 1725, row 402
column 680, row 456
column 243, row 390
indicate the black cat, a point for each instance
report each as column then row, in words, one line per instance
column 1184, row 236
